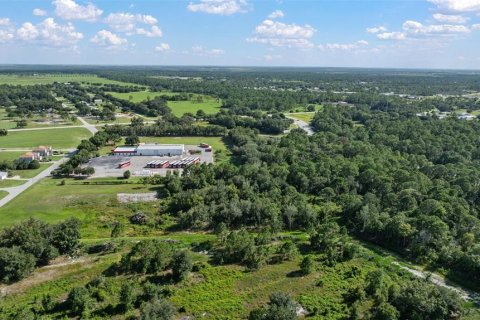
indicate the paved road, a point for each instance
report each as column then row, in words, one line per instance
column 15, row 191
column 88, row 126
column 302, row 124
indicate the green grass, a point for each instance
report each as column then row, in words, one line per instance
column 30, row 173
column 11, row 183
column 210, row 106
column 10, row 155
column 304, row 116
column 3, row 194
column 95, row 205
column 16, row 79
column 102, row 122
column 57, row 138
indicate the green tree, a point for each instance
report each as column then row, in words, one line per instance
column 80, row 302
column 127, row 296
column 127, row 174
column 15, row 264
column 157, row 309
column 182, row 264
column 117, row 230
column 307, row 265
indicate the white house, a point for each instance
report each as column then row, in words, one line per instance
column 3, row 175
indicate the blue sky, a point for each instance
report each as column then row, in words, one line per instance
column 340, row 33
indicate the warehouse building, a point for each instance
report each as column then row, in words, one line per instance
column 161, row 150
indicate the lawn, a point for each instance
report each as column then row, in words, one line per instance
column 30, row 173
column 304, row 116
column 96, row 206
column 16, row 79
column 3, row 194
column 8, row 183
column 210, row 106
column 57, row 138
column 36, row 121
column 10, row 155
column 92, row 120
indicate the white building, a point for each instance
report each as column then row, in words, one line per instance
column 3, row 175
column 160, row 150
column 144, row 149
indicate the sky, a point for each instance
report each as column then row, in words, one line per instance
column 441, row 34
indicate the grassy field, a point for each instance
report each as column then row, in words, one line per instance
column 304, row 116
column 57, row 138
column 139, row 96
column 10, row 155
column 11, row 183
column 101, row 122
column 96, row 206
column 16, row 79
column 210, row 106
column 30, row 173
column 3, row 194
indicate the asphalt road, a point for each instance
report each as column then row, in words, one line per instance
column 88, row 126
column 302, row 125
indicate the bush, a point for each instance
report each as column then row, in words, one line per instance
column 148, row 256
column 79, row 301
column 307, row 265
column 15, row 264
column 181, row 265
column 157, row 309
column 34, row 164
column 139, row 218
column 127, row 174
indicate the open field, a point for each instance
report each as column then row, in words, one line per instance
column 304, row 116
column 92, row 120
column 8, row 183
column 16, row 79
column 95, row 205
column 3, row 194
column 30, row 173
column 210, row 106
column 57, row 138
column 10, row 155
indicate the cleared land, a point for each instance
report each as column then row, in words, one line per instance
column 57, row 138
column 15, row 79
column 96, row 205
column 209, row 106
column 11, row 183
column 139, row 96
column 304, row 116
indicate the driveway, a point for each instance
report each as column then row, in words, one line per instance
column 302, row 125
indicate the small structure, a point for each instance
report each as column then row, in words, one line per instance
column 27, row 157
column 38, row 153
column 3, row 175
column 97, row 101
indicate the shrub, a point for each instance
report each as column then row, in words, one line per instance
column 181, row 265
column 139, row 218
column 157, row 309
column 15, row 264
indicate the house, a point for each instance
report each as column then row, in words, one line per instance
column 97, row 101
column 27, row 157
column 43, row 152
column 3, row 175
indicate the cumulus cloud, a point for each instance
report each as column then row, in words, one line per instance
column 128, row 23
column 220, row 7
column 476, row 27
column 276, row 14
column 457, row 6
column 163, row 47
column 449, row 18
column 70, row 10
column 416, row 28
column 391, row 36
column 271, row 57
column 49, row 33
column 6, row 30
column 39, row 12
column 108, row 39
column 201, row 51
column 344, row 46
column 280, row 34
column 378, row 29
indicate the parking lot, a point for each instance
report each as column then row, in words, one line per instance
column 108, row 166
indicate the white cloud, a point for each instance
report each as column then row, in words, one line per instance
column 128, row 23
column 415, row 28
column 271, row 57
column 6, row 30
column 108, row 40
column 391, row 36
column 379, row 29
column 476, row 27
column 70, row 10
column 39, row 12
column 276, row 14
column 457, row 6
column 163, row 47
column 344, row 47
column 220, row 7
column 447, row 18
column 201, row 51
column 49, row 33
column 280, row 34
